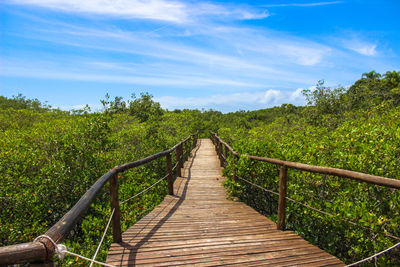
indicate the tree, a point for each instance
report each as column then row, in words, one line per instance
column 324, row 101
column 113, row 107
column 145, row 108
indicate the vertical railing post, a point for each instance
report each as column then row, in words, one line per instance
column 116, row 220
column 282, row 198
column 234, row 178
column 181, row 156
column 169, row 175
column 226, row 155
column 186, row 150
column 221, row 159
column 178, row 152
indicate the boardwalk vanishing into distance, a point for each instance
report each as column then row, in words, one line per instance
column 199, row 226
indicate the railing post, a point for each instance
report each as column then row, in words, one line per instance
column 169, row 175
column 181, row 156
column 226, row 154
column 186, row 151
column 234, row 167
column 116, row 220
column 178, row 161
column 282, row 198
column 221, row 159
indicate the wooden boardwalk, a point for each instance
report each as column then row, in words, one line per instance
column 198, row 226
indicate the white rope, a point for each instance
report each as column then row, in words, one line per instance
column 256, row 185
column 373, row 256
column 317, row 210
column 175, row 166
column 144, row 191
column 61, row 250
column 102, row 238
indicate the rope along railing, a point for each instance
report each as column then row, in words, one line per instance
column 223, row 149
column 143, row 191
column 373, row 256
column 45, row 246
column 315, row 209
column 102, row 237
column 61, row 250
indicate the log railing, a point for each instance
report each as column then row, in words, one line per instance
column 223, row 149
column 42, row 250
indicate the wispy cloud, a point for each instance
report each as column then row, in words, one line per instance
column 172, row 11
column 362, row 43
column 183, row 48
column 361, row 47
column 304, row 4
column 162, row 10
column 48, row 70
column 264, row 54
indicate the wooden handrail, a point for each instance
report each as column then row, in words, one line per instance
column 358, row 176
column 43, row 250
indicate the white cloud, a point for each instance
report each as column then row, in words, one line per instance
column 297, row 96
column 48, row 70
column 172, row 11
column 306, row 56
column 231, row 102
column 163, row 10
column 228, row 11
column 358, row 45
column 365, row 49
column 304, row 4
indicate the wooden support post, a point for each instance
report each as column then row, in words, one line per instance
column 179, row 161
column 186, row 150
column 234, row 178
column 169, row 175
column 226, row 155
column 116, row 220
column 190, row 148
column 282, row 198
column 183, row 153
column 221, row 159
column 181, row 157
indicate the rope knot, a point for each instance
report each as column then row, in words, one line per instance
column 59, row 249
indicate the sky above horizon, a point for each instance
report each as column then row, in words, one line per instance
column 224, row 55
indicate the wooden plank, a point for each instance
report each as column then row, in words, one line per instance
column 199, row 226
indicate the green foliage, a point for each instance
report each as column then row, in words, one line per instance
column 21, row 102
column 367, row 143
column 328, row 107
column 144, row 108
column 49, row 158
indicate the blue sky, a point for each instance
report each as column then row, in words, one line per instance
column 225, row 55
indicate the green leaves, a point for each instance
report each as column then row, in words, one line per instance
column 369, row 143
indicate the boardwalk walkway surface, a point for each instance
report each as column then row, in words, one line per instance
column 198, row 226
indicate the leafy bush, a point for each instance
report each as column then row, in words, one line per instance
column 369, row 144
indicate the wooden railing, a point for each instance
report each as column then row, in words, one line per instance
column 223, row 150
column 43, row 250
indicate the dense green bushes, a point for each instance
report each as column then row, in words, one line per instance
column 369, row 143
column 48, row 160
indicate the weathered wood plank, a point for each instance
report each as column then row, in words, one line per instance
column 198, row 226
